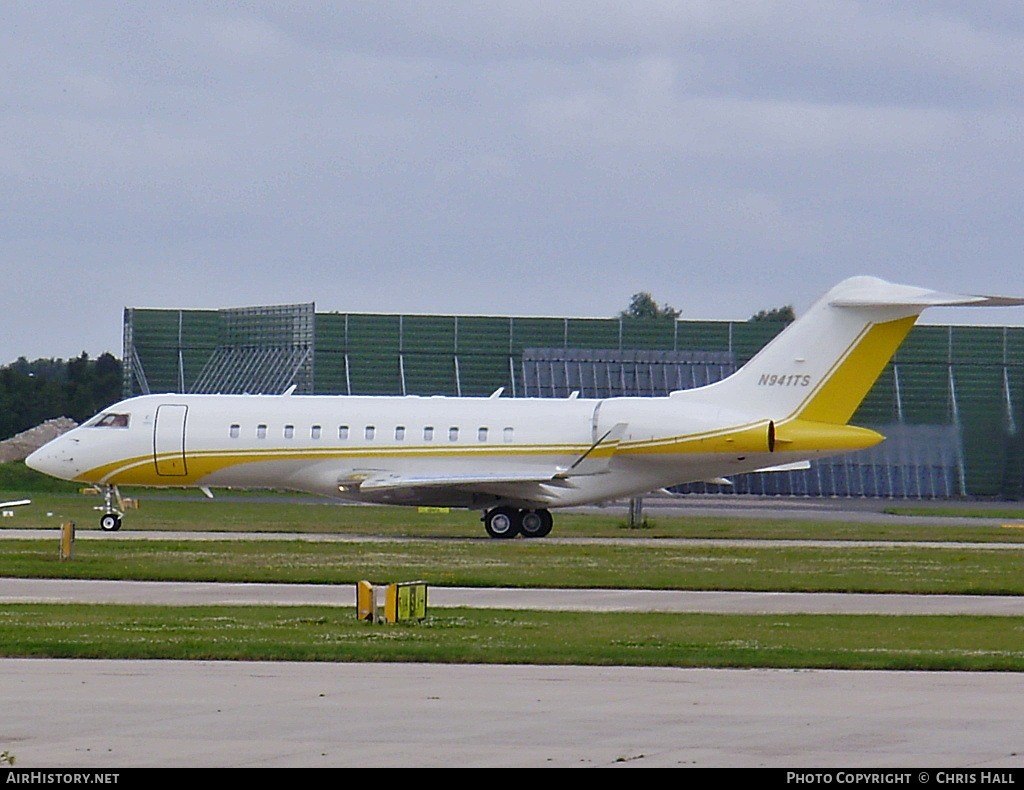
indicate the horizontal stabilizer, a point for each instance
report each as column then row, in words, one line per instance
column 873, row 292
column 796, row 466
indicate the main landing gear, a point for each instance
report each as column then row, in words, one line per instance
column 507, row 522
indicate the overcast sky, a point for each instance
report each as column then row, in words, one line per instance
column 504, row 157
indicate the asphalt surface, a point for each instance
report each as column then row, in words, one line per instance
column 343, row 595
column 121, row 714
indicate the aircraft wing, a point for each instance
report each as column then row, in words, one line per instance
column 386, row 481
column 525, row 486
column 594, row 461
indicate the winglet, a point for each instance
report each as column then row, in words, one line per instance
column 596, row 459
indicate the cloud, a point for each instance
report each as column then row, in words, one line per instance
column 471, row 157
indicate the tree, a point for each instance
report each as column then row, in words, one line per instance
column 784, row 314
column 643, row 305
column 31, row 392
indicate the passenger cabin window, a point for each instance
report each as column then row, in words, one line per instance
column 453, row 433
column 481, row 434
column 399, row 433
column 508, row 435
column 289, row 431
column 314, row 432
column 234, row 430
column 112, row 421
column 342, row 432
column 428, row 433
column 261, row 431
column 369, row 432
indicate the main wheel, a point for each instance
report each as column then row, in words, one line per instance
column 536, row 523
column 110, row 522
column 502, row 522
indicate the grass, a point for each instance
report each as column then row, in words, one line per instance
column 514, row 637
column 270, row 512
column 452, row 551
column 15, row 476
column 486, row 563
column 1006, row 512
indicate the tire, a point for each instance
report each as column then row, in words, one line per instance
column 535, row 523
column 502, row 522
column 110, row 522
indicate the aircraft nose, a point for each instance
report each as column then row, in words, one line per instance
column 53, row 459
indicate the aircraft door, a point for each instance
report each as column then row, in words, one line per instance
column 169, row 440
column 594, row 421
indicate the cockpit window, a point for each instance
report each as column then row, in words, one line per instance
column 112, row 420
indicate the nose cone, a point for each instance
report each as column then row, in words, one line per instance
column 53, row 459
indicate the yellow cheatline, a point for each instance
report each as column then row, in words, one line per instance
column 141, row 470
column 791, row 436
column 743, row 438
column 853, row 375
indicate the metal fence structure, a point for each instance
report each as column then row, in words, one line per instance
column 261, row 349
column 243, row 349
column 951, row 400
column 610, row 373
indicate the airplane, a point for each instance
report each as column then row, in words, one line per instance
column 515, row 459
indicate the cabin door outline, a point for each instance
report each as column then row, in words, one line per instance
column 169, row 440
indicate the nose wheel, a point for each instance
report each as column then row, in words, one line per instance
column 110, row 521
column 507, row 522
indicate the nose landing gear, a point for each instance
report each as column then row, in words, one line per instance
column 110, row 521
column 507, row 522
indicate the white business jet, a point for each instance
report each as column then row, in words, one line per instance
column 515, row 459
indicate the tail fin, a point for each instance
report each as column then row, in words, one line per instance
column 822, row 366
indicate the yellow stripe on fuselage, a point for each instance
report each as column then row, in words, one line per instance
column 141, row 470
column 800, row 436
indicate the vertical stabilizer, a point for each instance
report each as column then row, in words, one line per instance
column 822, row 366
